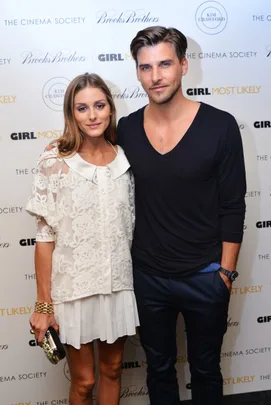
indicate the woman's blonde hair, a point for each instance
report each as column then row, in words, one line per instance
column 72, row 137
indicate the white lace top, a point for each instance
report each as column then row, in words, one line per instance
column 89, row 212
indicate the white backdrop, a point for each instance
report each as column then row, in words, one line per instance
column 46, row 44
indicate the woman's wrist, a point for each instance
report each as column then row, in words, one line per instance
column 44, row 307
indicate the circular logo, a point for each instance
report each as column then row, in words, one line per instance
column 67, row 371
column 268, row 50
column 211, row 17
column 53, row 92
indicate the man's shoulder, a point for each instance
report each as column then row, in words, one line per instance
column 216, row 114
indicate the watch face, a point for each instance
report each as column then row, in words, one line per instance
column 234, row 274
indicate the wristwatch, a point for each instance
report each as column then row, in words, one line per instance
column 232, row 275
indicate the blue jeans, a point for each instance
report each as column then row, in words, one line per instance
column 203, row 300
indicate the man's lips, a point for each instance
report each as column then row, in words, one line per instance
column 158, row 87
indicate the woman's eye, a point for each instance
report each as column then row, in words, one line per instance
column 100, row 106
column 81, row 109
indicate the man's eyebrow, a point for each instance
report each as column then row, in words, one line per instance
column 143, row 64
column 161, row 61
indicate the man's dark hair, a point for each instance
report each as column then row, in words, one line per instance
column 151, row 36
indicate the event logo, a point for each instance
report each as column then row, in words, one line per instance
column 15, row 311
column 25, row 376
column 23, row 172
column 33, row 343
column 45, row 21
column 128, row 93
column 262, row 124
column 7, row 378
column 18, row 136
column 66, row 371
column 7, row 99
column 28, row 242
column 3, row 347
column 263, row 158
column 50, row 134
column 114, row 57
column 232, row 323
column 247, row 352
column 53, row 92
column 239, row 380
column 4, row 245
column 125, row 17
column 231, row 353
column 263, row 224
column 252, row 289
column 258, row 350
column 222, row 91
column 211, row 17
column 47, row 134
column 133, row 391
column 5, row 61
column 39, row 57
column 11, row 210
column 31, row 276
column 130, row 364
column 261, row 18
column 253, row 193
column 265, row 256
column 263, row 319
column 222, row 55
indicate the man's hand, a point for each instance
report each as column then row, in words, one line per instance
column 226, row 280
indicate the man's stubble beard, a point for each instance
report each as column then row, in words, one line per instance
column 169, row 98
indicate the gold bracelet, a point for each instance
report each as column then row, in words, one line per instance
column 44, row 308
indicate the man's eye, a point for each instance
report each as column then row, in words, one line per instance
column 145, row 68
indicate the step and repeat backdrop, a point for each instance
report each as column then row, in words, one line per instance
column 44, row 45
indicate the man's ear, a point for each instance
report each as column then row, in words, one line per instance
column 137, row 73
column 184, row 65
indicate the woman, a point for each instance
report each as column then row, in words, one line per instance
column 83, row 199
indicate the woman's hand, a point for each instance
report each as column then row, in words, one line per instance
column 40, row 323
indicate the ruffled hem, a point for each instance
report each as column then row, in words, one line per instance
column 104, row 317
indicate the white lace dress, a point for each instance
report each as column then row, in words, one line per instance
column 88, row 211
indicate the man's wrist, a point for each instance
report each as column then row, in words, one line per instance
column 228, row 266
column 231, row 274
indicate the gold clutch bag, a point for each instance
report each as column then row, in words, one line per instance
column 52, row 347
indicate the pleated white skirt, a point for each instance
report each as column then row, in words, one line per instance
column 104, row 317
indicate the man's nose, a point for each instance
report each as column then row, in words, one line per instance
column 156, row 74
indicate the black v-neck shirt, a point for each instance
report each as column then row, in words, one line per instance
column 190, row 199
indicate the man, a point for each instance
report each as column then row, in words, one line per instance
column 188, row 164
